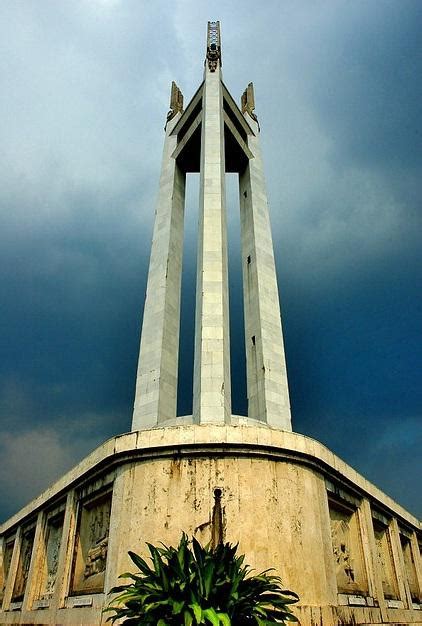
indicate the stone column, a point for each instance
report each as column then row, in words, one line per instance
column 65, row 561
column 156, row 383
column 2, row 570
column 371, row 557
column 211, row 390
column 13, row 568
column 398, row 562
column 268, row 393
column 368, row 545
column 33, row 573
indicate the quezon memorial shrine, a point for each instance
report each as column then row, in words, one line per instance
column 349, row 551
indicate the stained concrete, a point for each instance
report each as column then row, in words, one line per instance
column 282, row 498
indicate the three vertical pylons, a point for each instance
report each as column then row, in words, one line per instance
column 212, row 137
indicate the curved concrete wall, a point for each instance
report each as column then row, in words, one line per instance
column 284, row 497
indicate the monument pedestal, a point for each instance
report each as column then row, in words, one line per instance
column 347, row 549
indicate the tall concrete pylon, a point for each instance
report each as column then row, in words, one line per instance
column 212, row 136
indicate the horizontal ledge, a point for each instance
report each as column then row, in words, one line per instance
column 211, row 440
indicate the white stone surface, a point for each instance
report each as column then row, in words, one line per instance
column 156, row 383
column 267, row 387
column 212, row 385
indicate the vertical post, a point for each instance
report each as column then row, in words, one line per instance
column 212, row 392
column 2, row 569
column 156, row 383
column 33, row 573
column 13, row 568
column 268, row 393
column 398, row 563
column 374, row 573
column 65, row 560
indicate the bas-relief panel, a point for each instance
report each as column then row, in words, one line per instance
column 410, row 569
column 91, row 546
column 53, row 540
column 23, row 564
column 347, row 550
column 385, row 561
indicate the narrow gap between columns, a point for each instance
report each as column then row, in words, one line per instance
column 187, row 312
column 237, row 323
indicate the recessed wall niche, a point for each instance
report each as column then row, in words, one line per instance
column 385, row 556
column 91, row 544
column 409, row 566
column 24, row 562
column 53, row 533
column 347, row 545
column 5, row 566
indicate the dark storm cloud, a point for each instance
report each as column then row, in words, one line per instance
column 338, row 93
column 355, row 322
column 372, row 108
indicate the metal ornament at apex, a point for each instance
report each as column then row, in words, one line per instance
column 212, row 136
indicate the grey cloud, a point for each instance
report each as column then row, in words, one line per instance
column 372, row 104
column 37, row 456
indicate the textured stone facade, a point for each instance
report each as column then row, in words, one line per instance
column 349, row 551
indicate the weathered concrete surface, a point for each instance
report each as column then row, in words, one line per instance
column 283, row 496
column 268, row 392
column 156, row 382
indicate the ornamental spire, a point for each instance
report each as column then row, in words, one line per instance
column 213, row 46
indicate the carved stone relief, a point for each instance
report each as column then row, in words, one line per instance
column 23, row 565
column 341, row 547
column 52, row 549
column 410, row 569
column 347, row 551
column 176, row 102
column 91, row 546
column 248, row 102
column 385, row 561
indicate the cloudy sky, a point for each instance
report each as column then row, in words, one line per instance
column 85, row 89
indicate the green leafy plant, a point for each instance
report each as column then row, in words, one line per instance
column 191, row 585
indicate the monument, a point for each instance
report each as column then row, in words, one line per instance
column 349, row 551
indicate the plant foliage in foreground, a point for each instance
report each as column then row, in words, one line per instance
column 195, row 585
